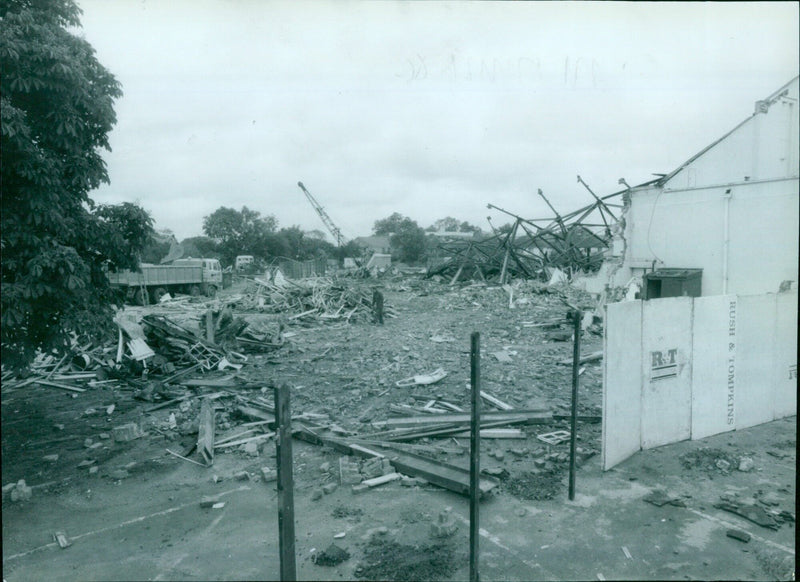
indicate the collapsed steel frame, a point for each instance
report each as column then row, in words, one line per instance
column 532, row 247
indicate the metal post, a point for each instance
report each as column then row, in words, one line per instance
column 283, row 419
column 474, row 456
column 577, row 317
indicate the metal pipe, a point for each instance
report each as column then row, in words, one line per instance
column 474, row 456
column 577, row 317
column 727, row 238
column 283, row 421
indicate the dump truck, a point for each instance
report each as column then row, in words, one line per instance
column 151, row 282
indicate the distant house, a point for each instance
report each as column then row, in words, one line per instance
column 375, row 244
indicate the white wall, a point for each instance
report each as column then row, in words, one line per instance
column 622, row 406
column 687, row 368
column 743, row 189
column 763, row 147
column 687, row 229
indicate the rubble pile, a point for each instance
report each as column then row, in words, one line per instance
column 318, row 298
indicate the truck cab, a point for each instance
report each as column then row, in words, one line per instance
column 243, row 262
column 212, row 270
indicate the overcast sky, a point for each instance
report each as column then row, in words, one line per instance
column 429, row 109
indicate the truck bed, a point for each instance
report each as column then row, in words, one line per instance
column 157, row 275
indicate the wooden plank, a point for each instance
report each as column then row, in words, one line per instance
column 451, row 477
column 299, row 315
column 56, row 367
column 581, row 417
column 251, row 412
column 374, row 482
column 365, row 452
column 440, row 432
column 495, row 401
column 535, row 416
column 75, row 376
column 442, row 474
column 227, row 382
column 593, row 357
column 205, row 433
column 233, row 437
column 243, row 441
column 167, row 403
column 451, row 406
column 58, row 385
column 496, row 433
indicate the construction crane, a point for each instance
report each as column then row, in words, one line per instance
column 334, row 230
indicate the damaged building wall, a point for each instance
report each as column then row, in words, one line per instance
column 743, row 236
column 731, row 210
column 687, row 368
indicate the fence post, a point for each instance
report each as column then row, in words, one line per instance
column 577, row 316
column 475, row 457
column 283, row 420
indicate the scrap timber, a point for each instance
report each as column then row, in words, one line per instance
column 444, row 475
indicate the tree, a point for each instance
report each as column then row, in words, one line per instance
column 301, row 247
column 450, row 224
column 315, row 234
column 447, row 224
column 409, row 241
column 388, row 225
column 200, row 247
column 239, row 232
column 56, row 109
column 467, row 227
column 407, row 238
column 349, row 250
column 505, row 229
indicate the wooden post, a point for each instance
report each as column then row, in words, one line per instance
column 474, row 457
column 210, row 325
column 205, row 431
column 377, row 306
column 283, row 419
column 577, row 316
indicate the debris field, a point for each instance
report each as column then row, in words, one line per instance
column 184, row 399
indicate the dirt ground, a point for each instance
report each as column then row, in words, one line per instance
column 132, row 511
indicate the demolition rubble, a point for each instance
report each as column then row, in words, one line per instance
column 379, row 378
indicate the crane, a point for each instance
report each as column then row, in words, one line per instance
column 334, row 230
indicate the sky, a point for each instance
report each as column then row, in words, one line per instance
column 429, row 109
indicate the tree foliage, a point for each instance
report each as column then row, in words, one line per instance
column 246, row 232
column 389, row 225
column 301, row 247
column 407, row 238
column 56, row 103
column 467, row 227
column 450, row 224
column 240, row 232
column 159, row 246
column 447, row 224
column 200, row 247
